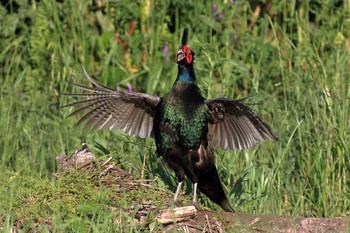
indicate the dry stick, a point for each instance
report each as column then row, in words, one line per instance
column 105, row 171
column 190, row 226
column 107, row 161
column 218, row 224
column 207, row 223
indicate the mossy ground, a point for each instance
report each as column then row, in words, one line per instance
column 81, row 198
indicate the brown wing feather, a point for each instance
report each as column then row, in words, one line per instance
column 105, row 108
column 233, row 125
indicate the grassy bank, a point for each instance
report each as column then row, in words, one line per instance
column 294, row 57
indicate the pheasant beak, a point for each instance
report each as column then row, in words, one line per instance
column 180, row 55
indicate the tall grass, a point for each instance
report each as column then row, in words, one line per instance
column 294, row 57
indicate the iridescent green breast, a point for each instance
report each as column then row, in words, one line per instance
column 183, row 119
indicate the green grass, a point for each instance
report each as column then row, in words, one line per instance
column 294, row 59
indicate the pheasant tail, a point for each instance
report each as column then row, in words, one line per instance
column 209, row 184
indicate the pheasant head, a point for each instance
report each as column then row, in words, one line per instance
column 184, row 55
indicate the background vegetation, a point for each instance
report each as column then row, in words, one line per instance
column 292, row 55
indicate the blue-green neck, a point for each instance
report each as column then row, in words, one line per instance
column 186, row 74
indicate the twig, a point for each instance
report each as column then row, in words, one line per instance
column 107, row 161
column 190, row 226
column 207, row 223
column 105, row 171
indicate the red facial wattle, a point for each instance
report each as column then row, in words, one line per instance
column 186, row 49
column 188, row 53
column 185, row 53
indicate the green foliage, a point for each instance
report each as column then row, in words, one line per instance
column 294, row 56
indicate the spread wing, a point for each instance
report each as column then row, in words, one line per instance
column 233, row 125
column 106, row 108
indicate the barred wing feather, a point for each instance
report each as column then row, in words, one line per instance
column 105, row 108
column 233, row 125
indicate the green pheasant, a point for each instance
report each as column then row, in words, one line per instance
column 183, row 123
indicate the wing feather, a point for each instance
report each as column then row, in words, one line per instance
column 231, row 138
column 105, row 123
column 233, row 125
column 106, row 108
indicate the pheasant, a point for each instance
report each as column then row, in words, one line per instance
column 183, row 123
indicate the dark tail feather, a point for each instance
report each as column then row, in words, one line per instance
column 209, row 184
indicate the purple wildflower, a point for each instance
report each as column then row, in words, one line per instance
column 165, row 49
column 214, row 13
column 235, row 42
column 232, row 1
column 166, row 52
column 129, row 88
column 213, row 9
column 221, row 15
